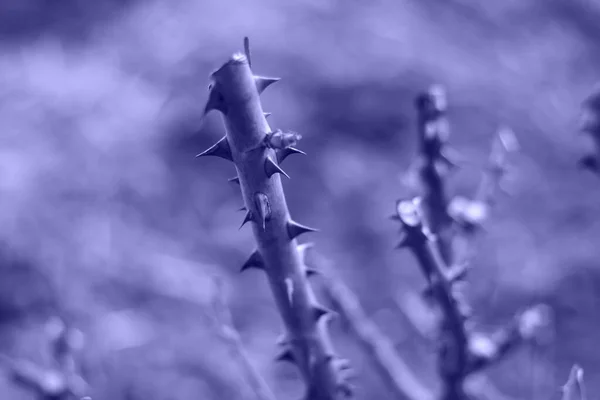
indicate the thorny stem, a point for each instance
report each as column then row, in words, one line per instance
column 234, row 91
column 461, row 352
column 434, row 165
column 574, row 388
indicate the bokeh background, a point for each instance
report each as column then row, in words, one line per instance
column 106, row 215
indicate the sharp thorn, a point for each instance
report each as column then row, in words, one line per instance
column 404, row 241
column 286, row 355
column 219, row 149
column 242, row 209
column 346, row 389
column 267, row 114
column 263, row 82
column 214, row 102
column 457, row 273
column 311, row 271
column 288, row 151
column 295, row 229
column 249, row 217
column 247, row 50
column 320, row 311
column 272, row 168
column 254, row 261
column 235, row 180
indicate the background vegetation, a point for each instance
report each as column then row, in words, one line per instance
column 106, row 214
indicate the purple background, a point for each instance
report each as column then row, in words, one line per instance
column 105, row 212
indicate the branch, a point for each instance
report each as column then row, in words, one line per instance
column 461, row 351
column 470, row 215
column 435, row 161
column 234, row 91
column 398, row 376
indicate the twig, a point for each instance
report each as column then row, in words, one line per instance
column 224, row 324
column 400, row 379
column 461, row 352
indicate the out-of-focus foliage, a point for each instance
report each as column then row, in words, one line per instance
column 106, row 215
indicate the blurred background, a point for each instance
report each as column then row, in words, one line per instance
column 107, row 218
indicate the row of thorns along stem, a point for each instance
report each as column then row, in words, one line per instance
column 428, row 224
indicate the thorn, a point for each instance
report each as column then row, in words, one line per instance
column 404, row 241
column 219, row 149
column 288, row 151
column 272, row 168
column 242, row 209
column 247, row 50
column 267, row 114
column 450, row 157
column 309, row 271
column 249, row 217
column 235, row 180
column 262, row 82
column 295, row 229
column 457, row 273
column 214, row 102
column 395, row 218
column 320, row 311
column 263, row 208
column 346, row 389
column 254, row 261
column 302, row 249
column 286, row 355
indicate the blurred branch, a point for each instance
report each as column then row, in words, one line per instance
column 434, row 162
column 426, row 222
column 461, row 351
column 224, row 325
column 398, row 376
column 469, row 215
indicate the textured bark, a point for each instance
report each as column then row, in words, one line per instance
column 235, row 92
